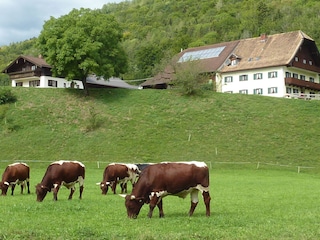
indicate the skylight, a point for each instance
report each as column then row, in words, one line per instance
column 201, row 54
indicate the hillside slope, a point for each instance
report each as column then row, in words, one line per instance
column 114, row 125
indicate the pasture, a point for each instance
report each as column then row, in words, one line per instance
column 247, row 203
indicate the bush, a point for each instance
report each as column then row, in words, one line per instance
column 189, row 78
column 6, row 96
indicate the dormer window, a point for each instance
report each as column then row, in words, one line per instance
column 233, row 60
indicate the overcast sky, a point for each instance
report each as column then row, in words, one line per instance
column 23, row 19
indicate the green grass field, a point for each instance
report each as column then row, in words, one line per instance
column 246, row 204
column 232, row 133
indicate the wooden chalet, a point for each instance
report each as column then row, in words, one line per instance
column 27, row 71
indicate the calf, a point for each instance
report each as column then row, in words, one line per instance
column 163, row 179
column 16, row 173
column 116, row 173
column 66, row 173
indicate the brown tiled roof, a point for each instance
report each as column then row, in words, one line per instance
column 267, row 51
column 161, row 78
column 36, row 61
column 207, row 65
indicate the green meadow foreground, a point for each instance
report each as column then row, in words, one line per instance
column 232, row 133
column 246, row 204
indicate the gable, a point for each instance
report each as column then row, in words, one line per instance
column 26, row 63
column 271, row 51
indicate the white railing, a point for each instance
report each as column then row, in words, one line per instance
column 305, row 96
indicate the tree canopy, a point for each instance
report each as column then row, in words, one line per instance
column 83, row 42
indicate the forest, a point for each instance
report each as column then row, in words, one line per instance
column 155, row 30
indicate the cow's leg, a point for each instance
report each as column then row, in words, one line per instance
column 72, row 189
column 161, row 214
column 81, row 190
column 194, row 201
column 114, row 185
column 12, row 188
column 153, row 203
column 55, row 191
column 207, row 199
column 81, row 183
column 22, row 186
column 124, row 187
column 28, row 186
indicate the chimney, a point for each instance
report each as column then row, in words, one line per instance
column 263, row 37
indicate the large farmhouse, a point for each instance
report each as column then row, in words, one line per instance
column 28, row 71
column 279, row 65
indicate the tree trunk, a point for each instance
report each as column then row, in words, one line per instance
column 85, row 87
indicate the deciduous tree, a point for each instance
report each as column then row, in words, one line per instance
column 83, row 42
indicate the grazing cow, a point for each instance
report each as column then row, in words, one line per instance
column 66, row 173
column 163, row 179
column 16, row 173
column 142, row 166
column 118, row 173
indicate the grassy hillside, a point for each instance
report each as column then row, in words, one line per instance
column 114, row 125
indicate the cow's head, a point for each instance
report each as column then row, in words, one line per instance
column 41, row 192
column 104, row 187
column 4, row 187
column 133, row 205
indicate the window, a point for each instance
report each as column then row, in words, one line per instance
column 311, row 79
column 296, row 59
column 234, row 62
column 243, row 78
column 33, row 67
column 295, row 75
column 19, row 84
column 228, row 79
column 244, row 91
column 52, row 83
column 288, row 90
column 288, row 74
column 295, row 90
column 302, row 77
column 272, row 90
column 257, row 76
column 272, row 74
column 34, row 83
column 257, row 91
column 310, row 62
column 229, row 92
column 304, row 61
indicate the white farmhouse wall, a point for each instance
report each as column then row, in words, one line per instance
column 266, row 83
column 48, row 82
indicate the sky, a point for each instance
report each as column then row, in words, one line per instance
column 23, row 19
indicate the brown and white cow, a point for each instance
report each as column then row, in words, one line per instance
column 66, row 173
column 116, row 173
column 16, row 173
column 163, row 179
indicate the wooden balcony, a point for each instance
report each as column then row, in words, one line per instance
column 302, row 83
column 24, row 74
column 304, row 96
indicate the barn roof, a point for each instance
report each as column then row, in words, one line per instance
column 267, row 51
